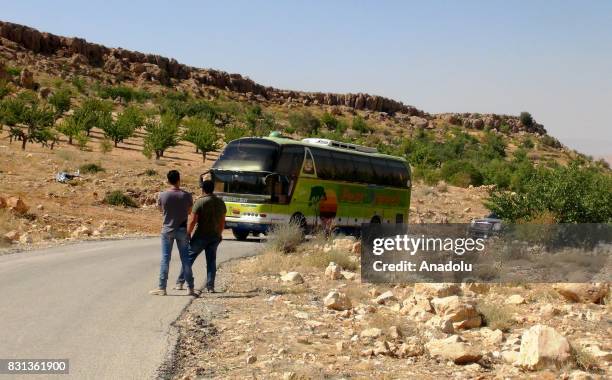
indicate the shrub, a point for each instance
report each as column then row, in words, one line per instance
column 527, row 144
column 79, row 83
column 161, row 135
column 117, row 198
column 13, row 71
column 5, row 89
column 259, row 122
column 496, row 316
column 304, row 122
column 285, row 238
column 583, row 359
column 526, row 119
column 60, row 100
column 320, row 259
column 504, row 128
column 461, row 173
column 124, row 92
column 573, row 194
column 203, row 134
column 550, row 141
column 329, row 121
column 150, row 172
column 82, row 140
column 360, row 125
column 91, row 168
column 106, row 146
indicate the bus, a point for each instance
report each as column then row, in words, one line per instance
column 313, row 182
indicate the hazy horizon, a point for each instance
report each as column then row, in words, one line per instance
column 551, row 59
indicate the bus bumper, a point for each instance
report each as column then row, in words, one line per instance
column 245, row 226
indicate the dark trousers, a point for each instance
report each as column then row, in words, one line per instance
column 209, row 246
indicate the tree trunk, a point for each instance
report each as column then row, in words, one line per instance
column 197, row 150
column 23, row 143
column 157, row 154
column 70, row 140
column 116, row 143
column 203, row 157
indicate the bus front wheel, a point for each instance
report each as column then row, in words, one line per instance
column 240, row 234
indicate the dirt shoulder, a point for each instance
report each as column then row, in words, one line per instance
column 266, row 323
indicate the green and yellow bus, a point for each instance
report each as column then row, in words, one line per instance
column 313, row 183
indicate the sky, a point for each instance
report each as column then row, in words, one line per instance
column 550, row 58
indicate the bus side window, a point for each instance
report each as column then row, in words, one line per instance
column 324, row 163
column 290, row 160
column 363, row 171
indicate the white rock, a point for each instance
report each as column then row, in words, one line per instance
column 333, row 271
column 462, row 313
column 337, row 301
column 542, row 346
column 437, row 289
column 515, row 299
column 293, row 277
column 586, row 293
column 453, row 348
column 371, row 333
column 387, row 296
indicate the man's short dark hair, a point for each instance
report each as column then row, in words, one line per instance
column 208, row 186
column 174, row 177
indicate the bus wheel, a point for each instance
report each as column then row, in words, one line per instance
column 375, row 220
column 299, row 220
column 240, row 234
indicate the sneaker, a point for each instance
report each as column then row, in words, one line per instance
column 192, row 293
column 210, row 290
column 158, row 292
column 179, row 287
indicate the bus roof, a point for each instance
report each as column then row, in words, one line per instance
column 289, row 141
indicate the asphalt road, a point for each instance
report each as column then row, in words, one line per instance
column 89, row 303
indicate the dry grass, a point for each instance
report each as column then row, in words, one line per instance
column 497, row 316
column 284, row 238
column 320, row 259
column 7, row 223
column 583, row 359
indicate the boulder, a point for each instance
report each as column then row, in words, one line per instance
column 17, row 205
column 583, row 292
column 541, row 347
column 515, row 299
column 453, row 348
column 333, row 271
column 371, row 333
column 25, row 239
column 408, row 350
column 443, row 324
column 493, row 337
column 26, row 79
column 476, row 287
column 81, row 232
column 292, row 277
column 437, row 289
column 337, row 301
column 462, row 313
column 387, row 296
column 348, row 275
column 11, row 236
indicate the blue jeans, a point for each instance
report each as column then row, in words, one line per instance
column 182, row 242
column 209, row 246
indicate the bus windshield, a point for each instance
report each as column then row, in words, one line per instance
column 250, row 154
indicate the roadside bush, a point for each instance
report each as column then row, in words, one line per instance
column 550, row 141
column 106, row 146
column 117, row 198
column 285, row 238
column 496, row 316
column 91, row 168
column 572, row 194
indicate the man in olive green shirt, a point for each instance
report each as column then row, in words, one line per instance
column 208, row 214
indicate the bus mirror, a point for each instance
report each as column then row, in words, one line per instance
column 408, row 184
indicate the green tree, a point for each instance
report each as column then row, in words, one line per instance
column 571, row 194
column 203, row 134
column 259, row 123
column 526, row 119
column 124, row 127
column 329, row 121
column 28, row 118
column 93, row 113
column 161, row 135
column 304, row 122
column 60, row 100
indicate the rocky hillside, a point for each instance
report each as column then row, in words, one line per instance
column 67, row 56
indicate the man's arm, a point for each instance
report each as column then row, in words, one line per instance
column 193, row 220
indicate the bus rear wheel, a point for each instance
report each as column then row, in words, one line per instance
column 240, row 235
column 375, row 220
